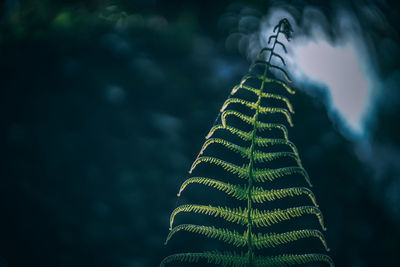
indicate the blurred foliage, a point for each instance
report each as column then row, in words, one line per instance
column 105, row 105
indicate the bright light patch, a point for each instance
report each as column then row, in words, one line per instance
column 342, row 66
column 341, row 70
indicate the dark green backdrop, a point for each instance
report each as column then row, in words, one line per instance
column 105, row 104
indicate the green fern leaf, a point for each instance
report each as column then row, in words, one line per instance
column 236, row 215
column 289, row 260
column 259, row 195
column 241, row 171
column 269, row 65
column 233, row 100
column 244, row 151
column 272, row 240
column 262, row 175
column 266, row 95
column 261, row 126
column 285, row 112
column 235, row 191
column 225, row 235
column 259, row 218
column 215, row 257
column 241, row 260
column 266, row 142
column 245, row 136
column 266, row 157
column 268, row 218
column 266, row 80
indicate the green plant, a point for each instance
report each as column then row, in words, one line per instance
column 257, row 152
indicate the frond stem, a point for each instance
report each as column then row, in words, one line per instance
column 251, row 163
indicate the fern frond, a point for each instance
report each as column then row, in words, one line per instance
column 272, row 240
column 259, row 195
column 236, row 215
column 254, row 106
column 235, row 191
column 273, row 37
column 267, row 80
column 266, row 142
column 262, row 175
column 254, row 149
column 225, row 235
column 283, row 46
column 279, row 97
column 259, row 218
column 234, row 100
column 288, row 260
column 245, row 136
column 259, row 156
column 268, row 218
column 242, row 260
column 285, row 74
column 261, row 126
column 265, row 95
column 262, row 110
column 283, row 84
column 285, row 112
column 214, row 257
column 287, row 29
column 244, row 151
column 262, row 62
column 272, row 53
column 241, row 171
column 244, row 118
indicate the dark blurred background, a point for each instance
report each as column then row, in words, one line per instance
column 105, row 104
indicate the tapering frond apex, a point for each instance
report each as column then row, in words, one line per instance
column 254, row 147
column 284, row 27
column 241, row 171
column 245, row 136
column 270, row 217
column 272, row 240
column 237, row 215
column 292, row 259
column 265, row 95
column 262, row 175
column 235, row 191
column 260, row 195
column 214, row 257
column 225, row 235
column 244, row 151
